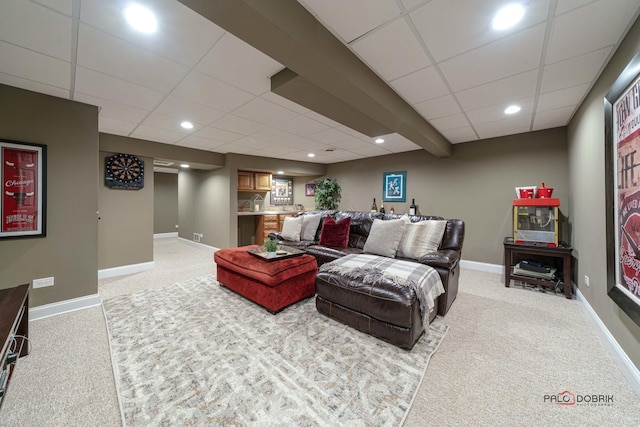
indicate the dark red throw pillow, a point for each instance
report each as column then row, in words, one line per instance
column 335, row 234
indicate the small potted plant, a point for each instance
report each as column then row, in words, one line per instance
column 271, row 247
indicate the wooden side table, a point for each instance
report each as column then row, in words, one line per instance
column 563, row 252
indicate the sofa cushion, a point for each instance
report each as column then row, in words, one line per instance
column 310, row 224
column 384, row 237
column 335, row 234
column 420, row 238
column 291, row 228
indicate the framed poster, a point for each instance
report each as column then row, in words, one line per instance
column 310, row 190
column 394, row 186
column 281, row 191
column 23, row 200
column 622, row 171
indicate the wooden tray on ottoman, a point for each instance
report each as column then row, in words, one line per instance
column 283, row 252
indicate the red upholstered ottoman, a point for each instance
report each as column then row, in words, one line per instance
column 274, row 285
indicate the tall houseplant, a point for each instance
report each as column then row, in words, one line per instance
column 327, row 194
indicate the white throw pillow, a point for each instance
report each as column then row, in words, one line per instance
column 310, row 225
column 421, row 238
column 384, row 237
column 291, row 228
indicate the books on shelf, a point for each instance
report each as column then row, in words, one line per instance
column 550, row 275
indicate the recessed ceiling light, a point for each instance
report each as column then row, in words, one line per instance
column 141, row 18
column 508, row 16
column 379, row 141
column 311, row 155
column 187, row 125
column 184, row 165
column 280, row 172
column 512, row 109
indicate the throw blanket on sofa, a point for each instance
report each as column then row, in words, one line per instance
column 424, row 280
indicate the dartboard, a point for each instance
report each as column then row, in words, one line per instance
column 124, row 171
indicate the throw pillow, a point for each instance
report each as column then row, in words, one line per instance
column 335, row 234
column 421, row 238
column 291, row 228
column 310, row 225
column 384, row 237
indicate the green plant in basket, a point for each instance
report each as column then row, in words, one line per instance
column 271, row 245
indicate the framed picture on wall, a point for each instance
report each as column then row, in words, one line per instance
column 394, row 186
column 622, row 169
column 281, row 191
column 23, row 201
column 309, row 190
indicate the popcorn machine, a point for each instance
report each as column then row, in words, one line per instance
column 535, row 221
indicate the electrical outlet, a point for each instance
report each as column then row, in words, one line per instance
column 586, row 280
column 196, row 237
column 42, row 283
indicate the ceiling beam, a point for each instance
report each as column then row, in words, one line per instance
column 285, row 31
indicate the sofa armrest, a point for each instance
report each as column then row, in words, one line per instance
column 277, row 235
column 443, row 258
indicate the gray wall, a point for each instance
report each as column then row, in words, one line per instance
column 587, row 202
column 165, row 202
column 69, row 252
column 475, row 184
column 125, row 229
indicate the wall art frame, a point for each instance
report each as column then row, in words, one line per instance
column 394, row 186
column 281, row 191
column 622, row 198
column 23, row 203
column 310, row 190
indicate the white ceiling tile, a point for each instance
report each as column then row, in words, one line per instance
column 392, row 51
column 34, row 66
column 234, row 148
column 588, row 28
column 574, row 71
column 506, row 57
column 200, row 143
column 496, row 112
column 113, row 109
column 353, row 132
column 277, row 137
column 253, row 143
column 100, row 85
column 498, row 92
column 275, row 149
column 439, row 107
column 155, row 134
column 183, row 35
column 450, row 122
column 322, row 119
column 370, row 151
column 553, row 118
column 339, row 15
column 453, row 27
column 201, row 89
column 239, row 125
column 265, row 112
column 302, row 125
column 562, row 98
column 348, row 144
column 284, row 102
column 187, row 110
column 564, row 6
column 504, row 127
column 170, row 123
column 109, row 55
column 401, row 146
column 235, row 62
column 216, row 134
column 410, row 4
column 464, row 134
column 420, row 86
column 63, row 6
column 330, row 136
column 115, row 126
column 31, row 85
column 35, row 27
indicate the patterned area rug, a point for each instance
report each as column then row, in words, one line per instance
column 196, row 353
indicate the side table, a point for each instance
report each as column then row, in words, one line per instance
column 563, row 251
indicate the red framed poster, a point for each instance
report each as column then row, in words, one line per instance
column 23, row 189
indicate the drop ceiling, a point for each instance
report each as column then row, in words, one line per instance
column 440, row 56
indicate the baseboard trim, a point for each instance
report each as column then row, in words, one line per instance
column 482, row 266
column 629, row 370
column 197, row 244
column 165, row 235
column 66, row 306
column 106, row 273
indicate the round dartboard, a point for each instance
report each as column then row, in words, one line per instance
column 124, row 171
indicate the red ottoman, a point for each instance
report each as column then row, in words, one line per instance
column 274, row 285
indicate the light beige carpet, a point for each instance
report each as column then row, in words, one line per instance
column 196, row 353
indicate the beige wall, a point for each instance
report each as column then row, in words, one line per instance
column 125, row 229
column 475, row 184
column 587, row 177
column 165, row 202
column 69, row 252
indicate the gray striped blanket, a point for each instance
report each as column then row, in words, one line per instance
column 424, row 280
